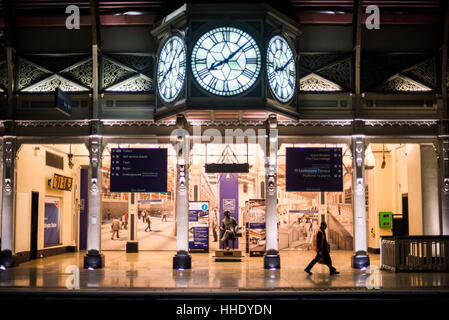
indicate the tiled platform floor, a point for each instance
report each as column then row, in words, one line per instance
column 152, row 271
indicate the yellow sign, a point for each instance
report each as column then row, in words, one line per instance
column 62, row 183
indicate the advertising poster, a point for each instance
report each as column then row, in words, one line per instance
column 51, row 222
column 138, row 170
column 229, row 198
column 256, row 224
column 314, row 169
column 199, row 226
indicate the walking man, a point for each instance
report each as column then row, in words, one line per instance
column 115, row 228
column 322, row 251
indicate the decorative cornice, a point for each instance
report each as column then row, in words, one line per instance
column 401, row 123
column 315, row 123
column 52, row 123
column 137, row 123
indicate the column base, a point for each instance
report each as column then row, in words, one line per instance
column 132, row 247
column 360, row 260
column 182, row 260
column 6, row 259
column 272, row 260
column 93, row 259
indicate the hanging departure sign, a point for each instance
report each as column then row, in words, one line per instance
column 138, row 170
column 314, row 169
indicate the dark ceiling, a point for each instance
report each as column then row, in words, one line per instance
column 304, row 11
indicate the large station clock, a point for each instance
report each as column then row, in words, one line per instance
column 281, row 69
column 226, row 61
column 171, row 69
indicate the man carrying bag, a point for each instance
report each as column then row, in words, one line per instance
column 322, row 251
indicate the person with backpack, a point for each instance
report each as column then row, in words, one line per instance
column 322, row 251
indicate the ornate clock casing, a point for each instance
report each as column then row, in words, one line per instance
column 226, row 65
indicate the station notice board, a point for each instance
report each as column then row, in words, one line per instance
column 314, row 169
column 138, row 170
column 199, row 226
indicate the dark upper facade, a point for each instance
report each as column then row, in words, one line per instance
column 351, row 80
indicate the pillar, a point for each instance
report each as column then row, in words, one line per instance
column 132, row 245
column 182, row 259
column 8, row 158
column 443, row 181
column 93, row 258
column 429, row 187
column 272, row 259
column 360, row 259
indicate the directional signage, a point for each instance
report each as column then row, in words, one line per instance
column 314, row 169
column 63, row 102
column 138, row 170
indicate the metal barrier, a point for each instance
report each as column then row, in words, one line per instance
column 415, row 253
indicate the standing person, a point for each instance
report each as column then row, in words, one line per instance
column 322, row 251
column 108, row 214
column 115, row 228
column 214, row 228
column 144, row 215
column 148, row 222
column 164, row 216
column 125, row 221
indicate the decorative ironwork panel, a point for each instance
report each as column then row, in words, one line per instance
column 114, row 72
column 28, row 73
column 400, row 83
column 56, row 62
column 424, row 73
column 139, row 83
column 53, row 82
column 314, row 82
column 3, row 75
column 314, row 61
column 141, row 63
column 81, row 72
column 339, row 72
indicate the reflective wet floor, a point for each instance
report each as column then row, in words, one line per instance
column 152, row 271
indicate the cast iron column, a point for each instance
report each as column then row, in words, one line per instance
column 272, row 259
column 132, row 245
column 182, row 259
column 9, row 155
column 93, row 258
column 360, row 259
column 443, row 150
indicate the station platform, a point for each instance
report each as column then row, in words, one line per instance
column 151, row 271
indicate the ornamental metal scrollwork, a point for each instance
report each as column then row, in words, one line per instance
column 7, row 186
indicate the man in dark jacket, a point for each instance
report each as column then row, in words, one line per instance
column 228, row 225
column 322, row 251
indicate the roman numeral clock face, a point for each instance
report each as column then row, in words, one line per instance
column 171, row 69
column 281, row 69
column 226, row 61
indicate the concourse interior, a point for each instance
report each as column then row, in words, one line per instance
column 51, row 213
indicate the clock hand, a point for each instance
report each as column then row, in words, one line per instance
column 170, row 68
column 216, row 64
column 284, row 66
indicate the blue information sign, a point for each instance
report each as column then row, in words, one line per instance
column 198, row 226
column 138, row 170
column 63, row 102
column 314, row 169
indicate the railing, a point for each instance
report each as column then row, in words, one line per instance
column 415, row 253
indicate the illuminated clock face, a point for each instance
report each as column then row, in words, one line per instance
column 226, row 61
column 281, row 69
column 171, row 69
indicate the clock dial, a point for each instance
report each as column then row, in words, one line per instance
column 226, row 61
column 281, row 69
column 171, row 69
